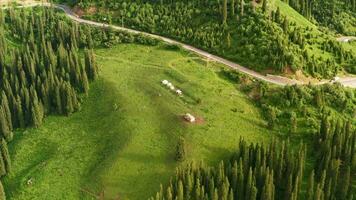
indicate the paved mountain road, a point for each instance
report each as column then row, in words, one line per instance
column 278, row 80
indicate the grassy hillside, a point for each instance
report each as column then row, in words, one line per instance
column 292, row 14
column 270, row 38
column 123, row 140
column 335, row 15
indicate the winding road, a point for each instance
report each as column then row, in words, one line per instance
column 278, row 80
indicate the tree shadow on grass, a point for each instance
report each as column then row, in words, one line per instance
column 254, row 122
column 106, row 128
column 223, row 154
column 113, row 131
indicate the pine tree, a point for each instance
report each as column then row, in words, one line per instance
column 37, row 114
column 345, row 184
column 277, row 17
column 264, row 6
column 6, row 109
column 272, row 117
column 231, row 195
column 91, row 65
column 5, row 155
column 5, row 130
column 2, row 166
column 85, row 83
column 180, row 193
column 249, row 185
column 2, row 192
column 285, row 25
column 216, row 195
column 169, row 195
column 180, row 150
column 293, row 122
column 58, row 100
column 233, row 8
column 228, row 40
column 242, row 4
column 67, row 99
column 225, row 12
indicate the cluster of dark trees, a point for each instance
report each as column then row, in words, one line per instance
column 42, row 75
column 334, row 171
column 180, row 150
column 254, row 172
column 41, row 71
column 275, row 171
column 46, row 64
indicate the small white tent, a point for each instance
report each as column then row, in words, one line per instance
column 190, row 118
column 179, row 92
column 165, row 82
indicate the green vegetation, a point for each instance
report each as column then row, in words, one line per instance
column 339, row 15
column 38, row 78
column 269, row 36
column 274, row 172
column 125, row 134
column 352, row 47
column 297, row 110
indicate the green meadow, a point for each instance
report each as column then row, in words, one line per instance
column 122, row 141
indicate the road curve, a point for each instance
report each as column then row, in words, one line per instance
column 278, row 80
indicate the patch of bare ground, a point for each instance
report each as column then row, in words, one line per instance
column 288, row 72
column 198, row 120
column 299, row 75
column 80, row 11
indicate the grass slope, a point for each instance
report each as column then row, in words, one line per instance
column 123, row 140
column 292, row 14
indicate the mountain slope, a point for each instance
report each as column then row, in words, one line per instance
column 270, row 37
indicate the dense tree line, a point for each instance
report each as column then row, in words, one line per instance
column 46, row 64
column 254, row 172
column 335, row 164
column 249, row 32
column 275, row 171
column 41, row 71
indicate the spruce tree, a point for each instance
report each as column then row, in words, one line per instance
column 2, row 192
column 293, row 122
column 5, row 129
column 233, row 8
column 225, row 12
column 5, row 155
column 180, row 150
column 180, row 193
column 264, row 6
column 6, row 109
column 2, row 166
